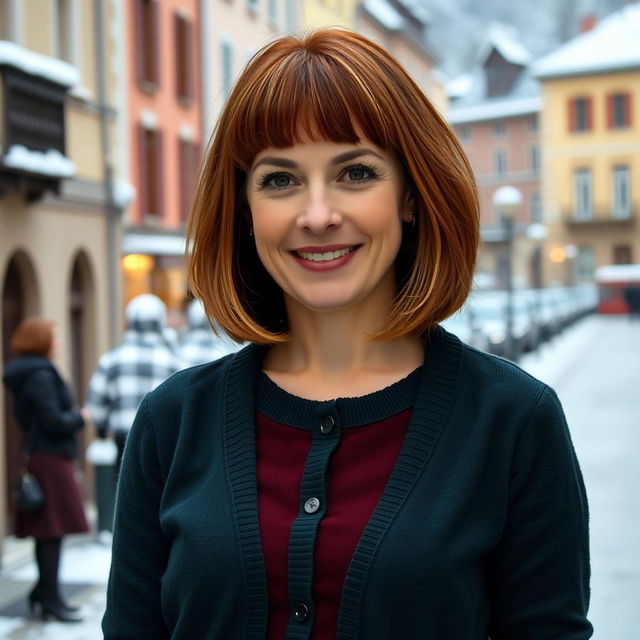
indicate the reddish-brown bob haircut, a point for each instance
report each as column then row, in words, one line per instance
column 326, row 85
column 33, row 336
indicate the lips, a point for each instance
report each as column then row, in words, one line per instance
column 324, row 258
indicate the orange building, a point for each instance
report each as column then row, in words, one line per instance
column 164, row 135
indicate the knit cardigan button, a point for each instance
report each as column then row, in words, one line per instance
column 326, row 425
column 312, row 505
column 301, row 612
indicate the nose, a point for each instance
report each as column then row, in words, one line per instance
column 319, row 214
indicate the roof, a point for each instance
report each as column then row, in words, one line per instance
column 494, row 109
column 612, row 45
column 504, row 39
column 51, row 69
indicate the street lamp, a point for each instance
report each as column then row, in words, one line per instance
column 506, row 201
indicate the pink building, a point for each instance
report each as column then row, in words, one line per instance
column 495, row 113
column 165, row 143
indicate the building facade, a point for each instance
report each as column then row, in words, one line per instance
column 496, row 116
column 164, row 144
column 591, row 142
column 59, row 217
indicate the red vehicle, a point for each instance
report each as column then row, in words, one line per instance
column 618, row 288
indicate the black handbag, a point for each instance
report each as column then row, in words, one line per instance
column 29, row 497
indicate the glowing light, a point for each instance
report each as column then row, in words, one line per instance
column 137, row 262
column 557, row 255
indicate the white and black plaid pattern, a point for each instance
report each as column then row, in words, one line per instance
column 125, row 375
column 202, row 345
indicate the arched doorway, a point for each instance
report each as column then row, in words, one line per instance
column 20, row 298
column 81, row 339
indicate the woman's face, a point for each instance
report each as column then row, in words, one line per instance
column 327, row 220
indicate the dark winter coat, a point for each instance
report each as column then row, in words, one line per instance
column 43, row 406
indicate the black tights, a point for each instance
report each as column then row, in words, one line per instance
column 48, row 559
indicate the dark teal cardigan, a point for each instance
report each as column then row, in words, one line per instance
column 482, row 530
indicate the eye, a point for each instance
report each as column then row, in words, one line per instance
column 359, row 173
column 277, row 180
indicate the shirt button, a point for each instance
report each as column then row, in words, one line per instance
column 326, row 425
column 301, row 612
column 312, row 505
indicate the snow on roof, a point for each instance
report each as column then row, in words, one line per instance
column 504, row 38
column 36, row 64
column 418, row 9
column 384, row 13
column 459, row 86
column 612, row 44
column 52, row 163
column 491, row 110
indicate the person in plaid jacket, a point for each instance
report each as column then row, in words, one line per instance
column 126, row 373
column 200, row 344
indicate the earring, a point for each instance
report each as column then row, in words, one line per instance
column 251, row 232
column 412, row 218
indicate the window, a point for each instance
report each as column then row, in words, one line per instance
column 534, row 158
column 585, row 263
column 536, row 208
column 621, row 195
column 227, row 67
column 291, row 15
column 500, row 162
column 499, row 129
column 147, row 43
column 63, row 25
column 151, row 193
column 619, row 111
column 582, row 194
column 273, row 12
column 189, row 159
column 622, row 254
column 580, row 115
column 183, row 30
column 533, row 123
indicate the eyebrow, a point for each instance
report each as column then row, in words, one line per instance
column 285, row 163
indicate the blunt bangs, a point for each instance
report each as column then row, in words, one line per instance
column 306, row 89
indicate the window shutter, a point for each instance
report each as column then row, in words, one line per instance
column 143, row 155
column 610, row 111
column 138, row 22
column 158, row 168
column 571, row 112
column 155, row 45
column 177, row 42
column 589, row 109
column 189, row 47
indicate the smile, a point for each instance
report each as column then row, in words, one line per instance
column 325, row 256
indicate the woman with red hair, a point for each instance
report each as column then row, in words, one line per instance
column 50, row 421
column 356, row 471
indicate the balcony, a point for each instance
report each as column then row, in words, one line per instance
column 601, row 219
column 32, row 122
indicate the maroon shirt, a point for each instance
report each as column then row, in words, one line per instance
column 358, row 472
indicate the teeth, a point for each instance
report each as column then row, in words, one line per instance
column 324, row 257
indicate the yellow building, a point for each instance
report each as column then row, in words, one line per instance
column 590, row 139
column 59, row 224
column 326, row 13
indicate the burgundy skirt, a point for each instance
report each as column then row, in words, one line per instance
column 63, row 512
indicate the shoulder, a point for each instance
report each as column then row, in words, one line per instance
column 201, row 385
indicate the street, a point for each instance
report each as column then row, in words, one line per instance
column 594, row 367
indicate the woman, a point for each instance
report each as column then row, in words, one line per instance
column 356, row 472
column 46, row 413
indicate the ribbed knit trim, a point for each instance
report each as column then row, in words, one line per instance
column 280, row 406
column 240, row 451
column 433, row 403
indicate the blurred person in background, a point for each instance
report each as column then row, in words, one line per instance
column 356, row 471
column 199, row 343
column 126, row 373
column 50, row 422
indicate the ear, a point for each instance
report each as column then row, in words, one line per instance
column 408, row 207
